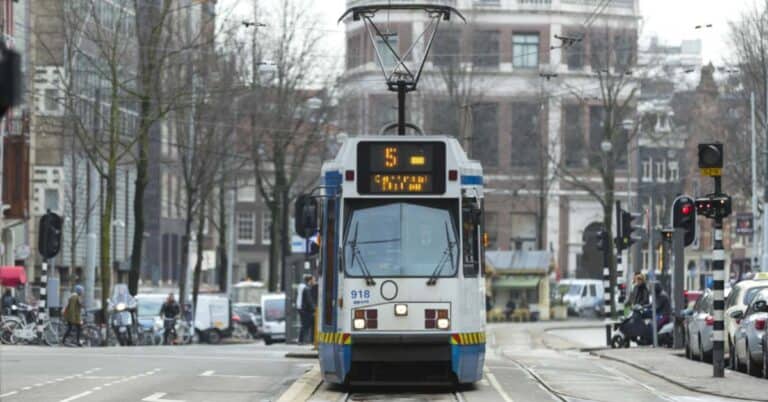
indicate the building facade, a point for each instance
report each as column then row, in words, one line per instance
column 522, row 101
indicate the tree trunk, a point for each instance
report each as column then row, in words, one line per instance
column 106, row 238
column 138, row 199
column 274, row 246
column 199, row 263
column 188, row 217
column 222, row 247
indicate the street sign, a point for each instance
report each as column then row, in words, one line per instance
column 744, row 224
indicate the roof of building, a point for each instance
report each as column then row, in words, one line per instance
column 519, row 261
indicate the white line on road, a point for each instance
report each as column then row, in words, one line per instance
column 207, row 373
column 8, row 394
column 78, row 396
column 497, row 386
column 158, row 397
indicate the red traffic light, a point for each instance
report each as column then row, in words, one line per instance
column 687, row 209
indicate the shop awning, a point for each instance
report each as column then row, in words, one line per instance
column 12, row 276
column 517, row 282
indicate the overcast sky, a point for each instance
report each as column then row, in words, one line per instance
column 671, row 20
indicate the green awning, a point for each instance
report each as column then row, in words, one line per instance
column 517, row 282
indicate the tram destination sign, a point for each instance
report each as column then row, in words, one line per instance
column 401, row 167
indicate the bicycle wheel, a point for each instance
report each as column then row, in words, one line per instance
column 50, row 335
column 92, row 335
column 6, row 332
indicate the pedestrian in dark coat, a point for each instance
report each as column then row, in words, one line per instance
column 73, row 316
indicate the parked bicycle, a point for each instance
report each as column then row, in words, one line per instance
column 22, row 327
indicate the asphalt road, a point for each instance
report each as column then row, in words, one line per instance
column 152, row 374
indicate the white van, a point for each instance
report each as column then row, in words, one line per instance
column 273, row 318
column 584, row 296
column 213, row 317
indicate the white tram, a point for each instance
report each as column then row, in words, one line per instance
column 402, row 292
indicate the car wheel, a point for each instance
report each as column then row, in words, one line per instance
column 213, row 337
column 267, row 340
column 617, row 342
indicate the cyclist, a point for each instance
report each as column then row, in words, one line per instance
column 72, row 315
column 169, row 311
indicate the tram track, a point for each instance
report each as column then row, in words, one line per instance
column 455, row 396
column 547, row 387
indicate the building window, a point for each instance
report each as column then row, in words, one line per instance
column 485, row 134
column 446, row 48
column 674, row 171
column 525, row 50
column 266, row 226
column 574, row 54
column 526, row 137
column 575, row 150
column 485, row 49
column 388, row 59
column 51, row 100
column 661, row 172
column 246, row 228
column 647, row 170
column 51, row 199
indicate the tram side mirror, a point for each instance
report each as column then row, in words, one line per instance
column 305, row 216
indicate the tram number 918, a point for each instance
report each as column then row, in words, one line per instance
column 360, row 296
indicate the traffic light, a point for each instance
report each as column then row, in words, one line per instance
column 628, row 226
column 305, row 216
column 49, row 235
column 714, row 206
column 684, row 217
column 603, row 240
column 10, row 78
column 711, row 159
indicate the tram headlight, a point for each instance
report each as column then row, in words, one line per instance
column 443, row 323
column 401, row 309
column 359, row 323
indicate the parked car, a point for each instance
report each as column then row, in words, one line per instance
column 273, row 320
column 213, row 317
column 699, row 322
column 739, row 298
column 249, row 316
column 749, row 336
column 584, row 296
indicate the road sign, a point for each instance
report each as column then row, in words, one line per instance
column 711, row 172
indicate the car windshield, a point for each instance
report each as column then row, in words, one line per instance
column 275, row 309
column 401, row 239
column 751, row 293
column 574, row 290
column 149, row 307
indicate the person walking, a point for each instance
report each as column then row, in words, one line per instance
column 169, row 312
column 306, row 310
column 314, row 290
column 640, row 294
column 73, row 316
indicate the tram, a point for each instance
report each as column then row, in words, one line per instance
column 401, row 283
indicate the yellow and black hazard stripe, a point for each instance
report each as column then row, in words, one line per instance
column 468, row 338
column 337, row 338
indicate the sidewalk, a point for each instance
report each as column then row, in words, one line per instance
column 672, row 366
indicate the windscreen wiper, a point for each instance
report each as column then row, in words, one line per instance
column 357, row 255
column 447, row 256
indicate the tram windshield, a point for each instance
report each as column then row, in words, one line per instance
column 392, row 238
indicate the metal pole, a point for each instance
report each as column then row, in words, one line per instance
column 619, row 277
column 718, row 287
column 678, row 283
column 232, row 237
column 652, row 273
column 91, row 210
column 400, row 108
column 755, row 243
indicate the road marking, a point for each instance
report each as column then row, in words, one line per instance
column 497, row 386
column 207, row 373
column 158, row 397
column 78, row 396
column 26, row 388
column 8, row 394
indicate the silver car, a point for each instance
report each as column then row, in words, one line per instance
column 699, row 322
column 748, row 338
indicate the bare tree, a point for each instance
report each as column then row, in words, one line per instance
column 288, row 120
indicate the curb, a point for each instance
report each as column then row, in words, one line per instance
column 303, row 387
column 301, row 355
column 679, row 384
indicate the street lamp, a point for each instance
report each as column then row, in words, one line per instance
column 606, row 146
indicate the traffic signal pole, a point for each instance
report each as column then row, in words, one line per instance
column 718, row 288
